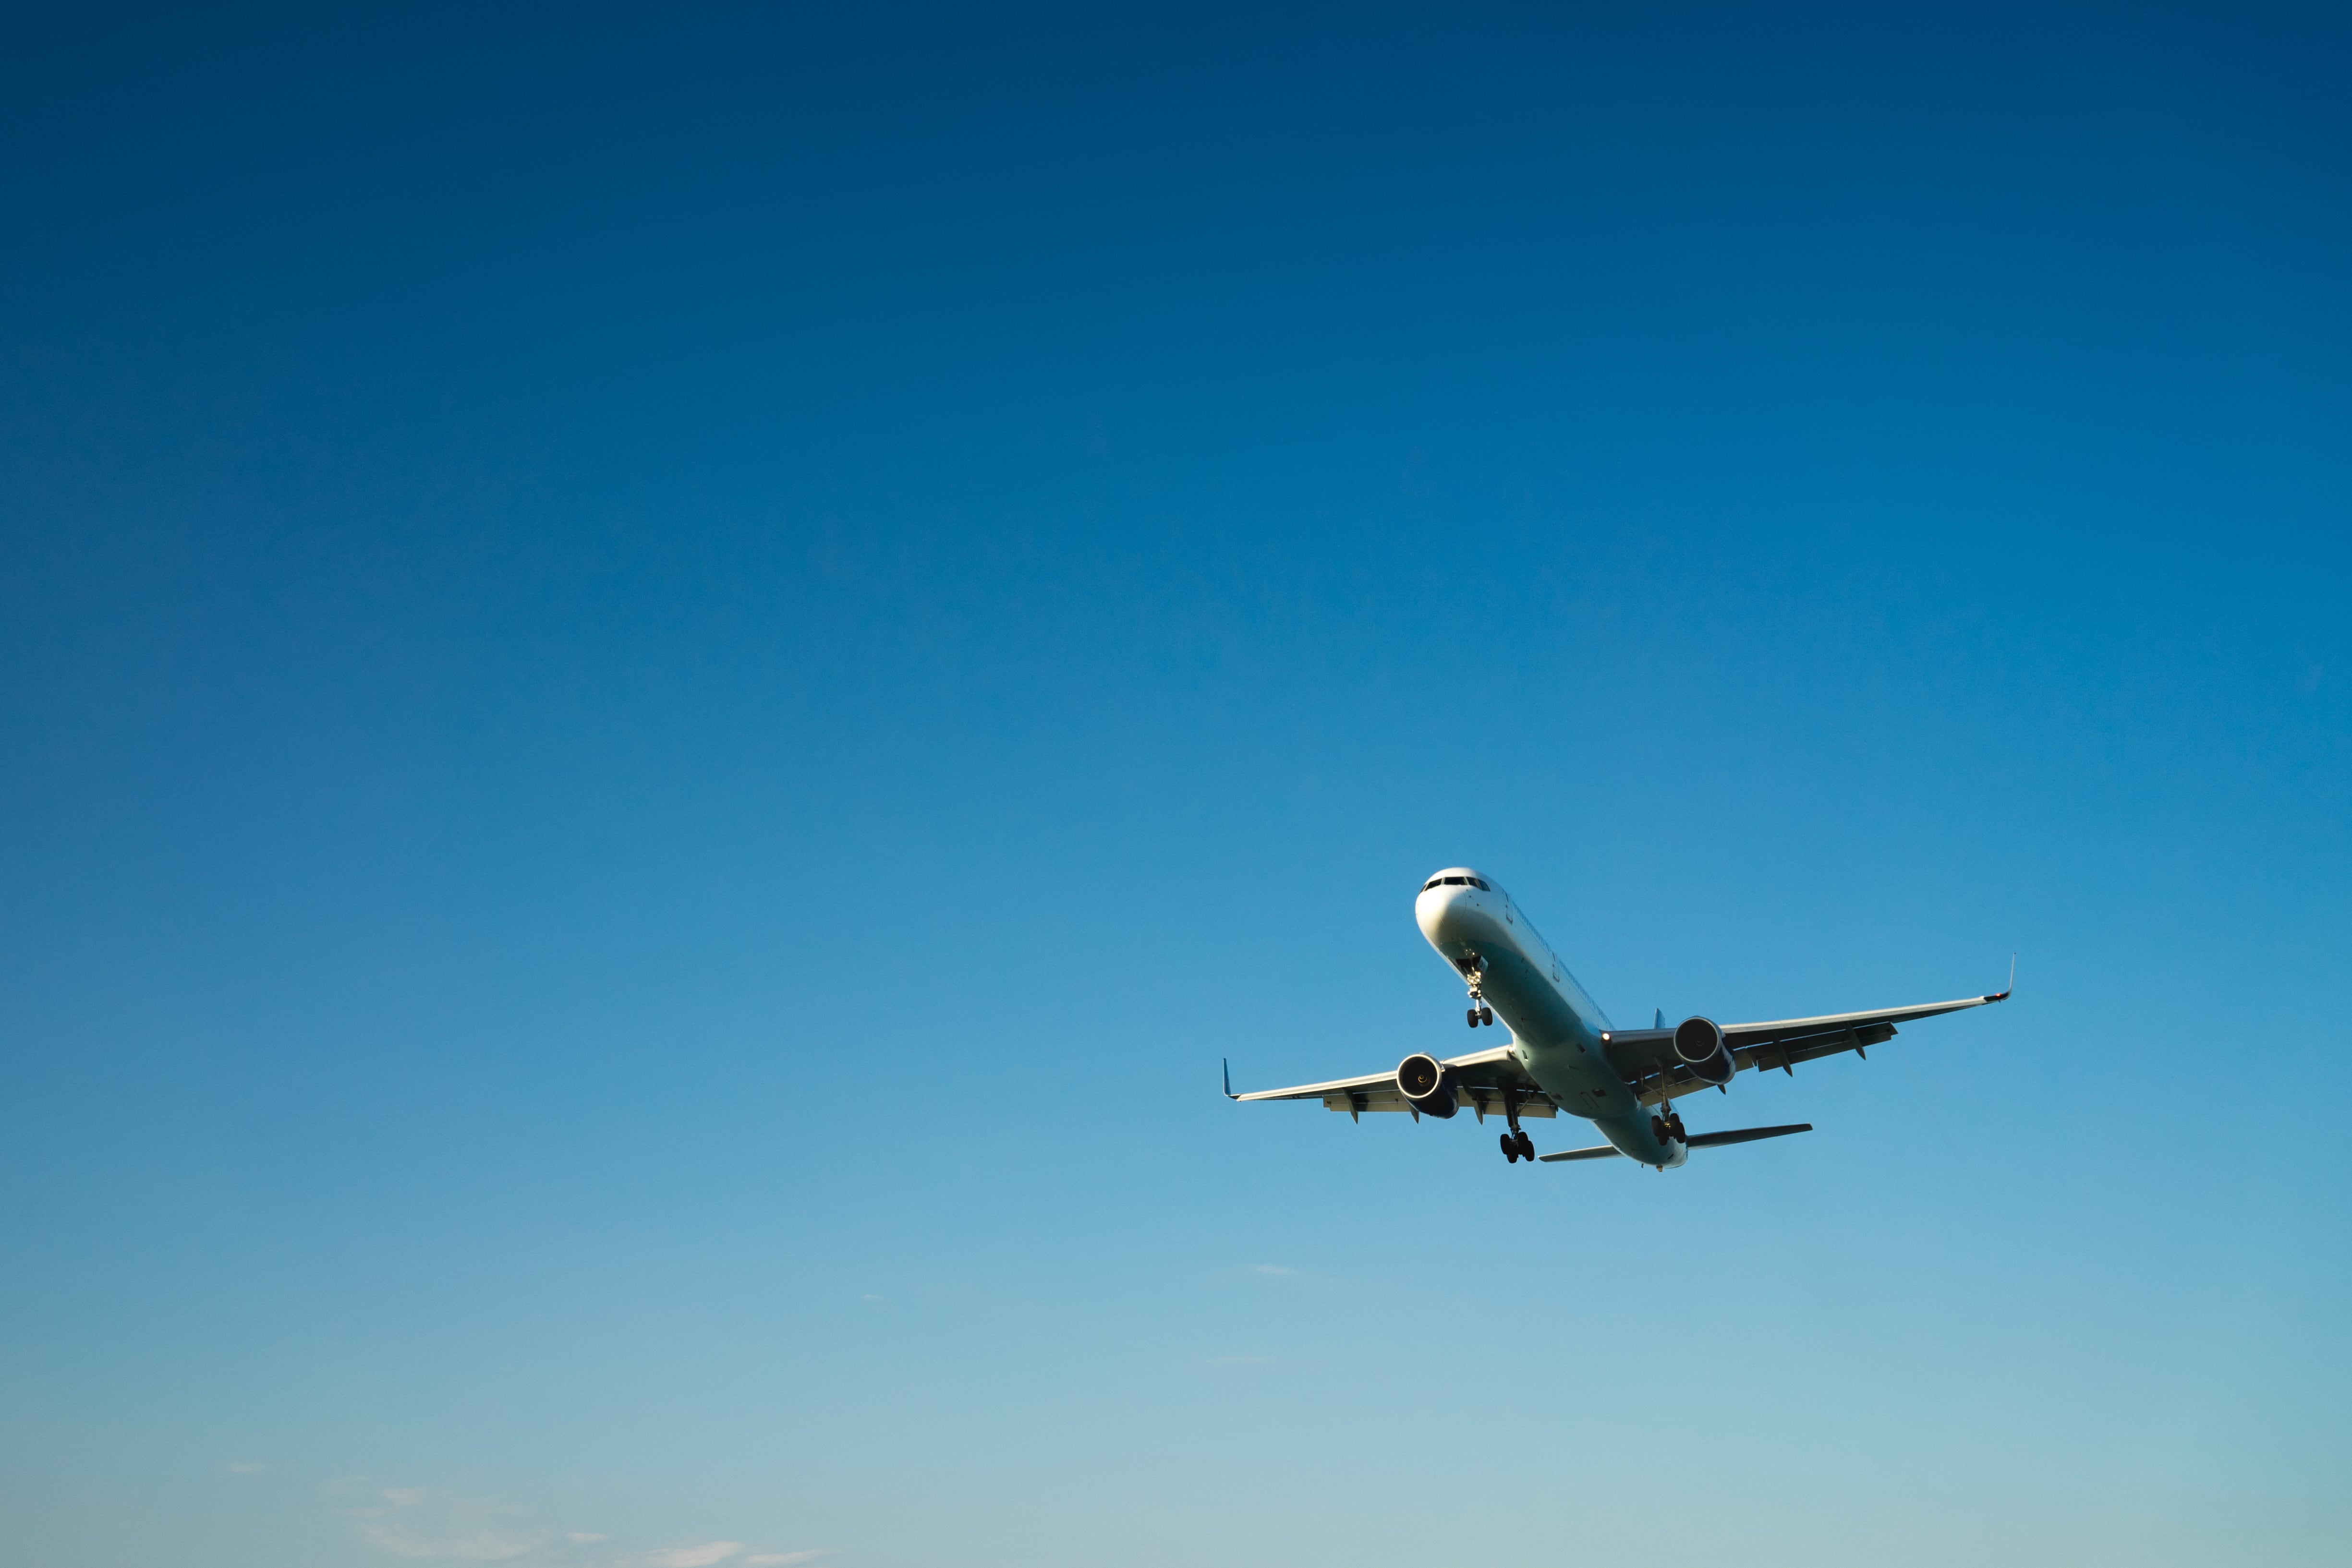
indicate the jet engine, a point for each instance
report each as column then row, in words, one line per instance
column 1421, row 1078
column 1700, row 1043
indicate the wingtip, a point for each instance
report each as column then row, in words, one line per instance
column 2004, row 994
column 1229, row 1078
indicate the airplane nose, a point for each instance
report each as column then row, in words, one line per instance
column 1442, row 915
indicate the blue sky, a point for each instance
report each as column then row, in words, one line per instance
column 673, row 677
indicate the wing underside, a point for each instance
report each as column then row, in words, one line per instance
column 1483, row 1083
column 1646, row 1056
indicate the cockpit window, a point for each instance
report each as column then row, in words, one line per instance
column 1455, row 881
column 1480, row 885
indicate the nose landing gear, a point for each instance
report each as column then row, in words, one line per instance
column 1473, row 969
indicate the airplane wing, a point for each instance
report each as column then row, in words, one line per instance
column 1480, row 1079
column 1646, row 1056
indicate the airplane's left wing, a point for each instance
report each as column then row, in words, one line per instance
column 1646, row 1056
column 1480, row 1079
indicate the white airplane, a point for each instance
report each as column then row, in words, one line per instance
column 1564, row 1055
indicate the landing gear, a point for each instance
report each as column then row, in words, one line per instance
column 1473, row 969
column 1517, row 1145
column 1668, row 1128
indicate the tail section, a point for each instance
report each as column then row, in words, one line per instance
column 1703, row 1141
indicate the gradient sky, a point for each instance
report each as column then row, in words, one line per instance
column 673, row 676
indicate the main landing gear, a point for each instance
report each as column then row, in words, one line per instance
column 1668, row 1128
column 1481, row 1014
column 1517, row 1145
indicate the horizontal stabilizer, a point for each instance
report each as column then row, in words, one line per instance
column 1704, row 1141
column 1746, row 1135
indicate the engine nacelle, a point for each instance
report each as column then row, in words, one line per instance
column 1700, row 1043
column 1421, row 1078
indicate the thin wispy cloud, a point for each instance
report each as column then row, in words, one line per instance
column 424, row 1524
column 705, row 1554
column 701, row 1556
column 418, row 1522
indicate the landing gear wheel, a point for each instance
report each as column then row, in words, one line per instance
column 1510, row 1149
column 1658, row 1128
column 1473, row 1017
column 1526, row 1145
column 1485, row 1015
column 1675, row 1126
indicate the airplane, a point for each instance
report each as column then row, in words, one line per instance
column 1565, row 1055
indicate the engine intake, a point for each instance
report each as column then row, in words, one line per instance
column 1421, row 1078
column 1700, row 1043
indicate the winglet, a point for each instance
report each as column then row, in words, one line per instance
column 1228, row 1080
column 2003, row 995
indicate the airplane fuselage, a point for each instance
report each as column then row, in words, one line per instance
column 1556, row 1028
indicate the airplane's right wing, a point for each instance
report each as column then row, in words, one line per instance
column 1479, row 1078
